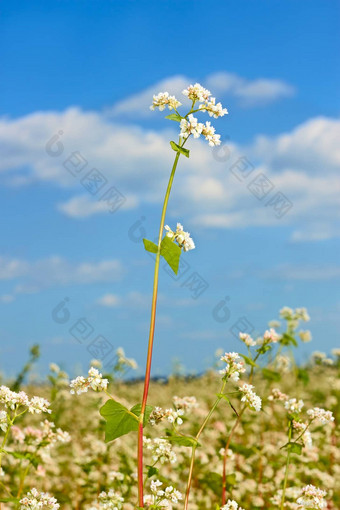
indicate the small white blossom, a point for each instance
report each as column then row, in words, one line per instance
column 163, row 100
column 231, row 505
column 312, row 498
column 305, row 336
column 161, row 450
column 182, row 238
column 186, row 403
column 38, row 405
column 277, row 395
column 294, row 406
column 233, row 367
column 174, row 416
column 197, row 93
column 213, row 109
column 321, row 415
column 250, row 397
column 190, row 126
column 208, row 132
column 247, row 339
column 271, row 336
column 35, row 500
column 160, row 498
column 94, row 380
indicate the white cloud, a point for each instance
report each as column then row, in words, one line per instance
column 302, row 164
column 83, row 206
column 57, row 271
column 138, row 105
column 109, row 301
column 251, row 92
column 222, row 84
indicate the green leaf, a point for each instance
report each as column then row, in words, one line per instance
column 183, row 440
column 152, row 471
column 249, row 361
column 264, row 348
column 174, row 116
column 271, row 375
column 288, row 340
column 9, row 500
column 171, row 252
column 222, row 395
column 137, row 410
column 120, row 420
column 178, row 148
column 150, row 246
column 294, row 447
column 28, row 456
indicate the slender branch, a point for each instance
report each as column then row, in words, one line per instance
column 287, row 468
column 192, row 461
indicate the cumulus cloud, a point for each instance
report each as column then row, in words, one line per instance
column 210, row 190
column 256, row 92
column 252, row 92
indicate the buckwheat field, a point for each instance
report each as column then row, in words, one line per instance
column 256, row 431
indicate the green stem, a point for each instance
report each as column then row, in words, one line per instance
column 192, row 460
column 287, row 468
column 152, row 333
column 22, row 481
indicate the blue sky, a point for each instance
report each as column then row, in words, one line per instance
column 89, row 69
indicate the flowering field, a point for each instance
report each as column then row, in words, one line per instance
column 255, row 429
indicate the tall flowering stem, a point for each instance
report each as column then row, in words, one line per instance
column 283, row 498
column 189, row 126
column 151, row 335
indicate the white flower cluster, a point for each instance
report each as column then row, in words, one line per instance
column 247, row 339
column 94, row 380
column 123, row 360
column 278, row 395
column 294, row 406
column 163, row 100
column 162, row 498
column 197, row 93
column 47, row 434
column 312, row 498
column 250, row 397
column 108, row 501
column 185, row 403
column 12, row 400
column 191, row 126
column 172, row 415
column 161, row 450
column 233, row 367
column 294, row 315
column 182, row 238
column 271, row 336
column 305, row 336
column 231, row 505
column 321, row 415
column 35, row 500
